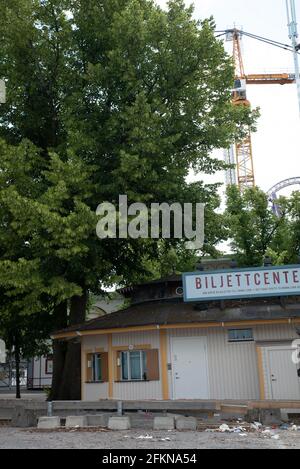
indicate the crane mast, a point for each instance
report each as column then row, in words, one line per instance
column 242, row 148
column 240, row 153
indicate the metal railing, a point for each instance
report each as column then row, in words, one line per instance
column 8, row 375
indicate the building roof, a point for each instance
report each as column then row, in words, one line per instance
column 207, row 264
column 157, row 313
column 175, row 278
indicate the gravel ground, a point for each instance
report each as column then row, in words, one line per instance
column 12, row 438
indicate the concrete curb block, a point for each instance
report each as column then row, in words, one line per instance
column 164, row 423
column 186, row 423
column 76, row 421
column 48, row 422
column 119, row 423
column 97, row 420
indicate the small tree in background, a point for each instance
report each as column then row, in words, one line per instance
column 256, row 232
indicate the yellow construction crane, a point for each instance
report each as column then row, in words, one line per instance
column 241, row 153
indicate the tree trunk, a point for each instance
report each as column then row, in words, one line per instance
column 59, row 351
column 67, row 357
column 78, row 308
column 70, row 389
column 59, row 355
column 17, row 362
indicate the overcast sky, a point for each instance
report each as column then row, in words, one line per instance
column 276, row 143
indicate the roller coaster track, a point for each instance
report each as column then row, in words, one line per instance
column 273, row 192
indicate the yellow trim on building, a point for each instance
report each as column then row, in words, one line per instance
column 110, row 368
column 116, row 367
column 64, row 335
column 120, row 330
column 94, row 350
column 261, row 377
column 122, row 348
column 164, row 363
column 83, row 372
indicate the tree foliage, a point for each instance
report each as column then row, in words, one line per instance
column 104, row 98
column 256, row 231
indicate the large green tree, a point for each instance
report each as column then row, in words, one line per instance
column 115, row 97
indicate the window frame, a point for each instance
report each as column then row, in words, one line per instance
column 143, row 365
column 92, row 358
column 240, row 340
